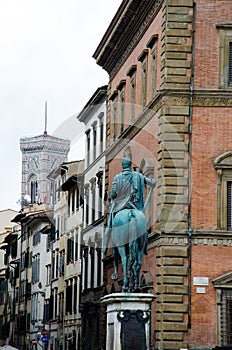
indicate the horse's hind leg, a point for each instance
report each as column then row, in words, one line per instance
column 114, row 275
column 138, row 268
column 122, row 252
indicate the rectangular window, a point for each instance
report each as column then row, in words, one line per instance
column 92, row 257
column 76, row 247
column 69, row 295
column 93, row 204
column 86, row 261
column 152, row 45
column 143, row 59
column 99, row 266
column 114, row 112
column 94, row 142
column 88, row 147
column 77, row 198
column 230, row 64
column 70, row 250
column 69, row 204
column 73, row 201
column 101, row 135
column 225, row 55
column 226, row 317
column 229, row 207
column 114, row 120
column 132, row 74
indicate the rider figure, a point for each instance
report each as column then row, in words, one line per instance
column 127, row 192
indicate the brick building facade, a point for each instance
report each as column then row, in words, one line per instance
column 169, row 106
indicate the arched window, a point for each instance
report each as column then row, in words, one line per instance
column 33, row 188
column 223, row 165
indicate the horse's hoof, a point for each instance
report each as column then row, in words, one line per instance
column 114, row 276
column 104, row 250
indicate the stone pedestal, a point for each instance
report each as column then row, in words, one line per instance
column 128, row 321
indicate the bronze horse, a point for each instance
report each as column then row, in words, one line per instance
column 129, row 234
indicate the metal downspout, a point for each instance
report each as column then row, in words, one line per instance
column 189, row 164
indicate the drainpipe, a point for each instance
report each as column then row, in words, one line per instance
column 189, row 164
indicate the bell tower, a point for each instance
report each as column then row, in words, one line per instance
column 40, row 155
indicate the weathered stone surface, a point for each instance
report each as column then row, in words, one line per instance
column 171, row 155
column 178, row 32
column 174, row 163
column 173, row 335
column 176, row 25
column 172, row 289
column 176, row 79
column 175, row 71
column 172, row 137
column 176, row 40
column 178, row 18
column 181, row 199
column 176, row 86
column 169, row 214
column 170, row 261
column 173, row 127
column 179, row 57
column 172, row 345
column 174, row 270
column 170, row 280
column 174, row 308
column 170, row 62
column 172, row 251
column 173, row 190
column 173, row 317
column 174, row 119
column 172, row 326
column 173, row 181
column 176, row 110
column 172, row 298
column 178, row 10
column 188, row 3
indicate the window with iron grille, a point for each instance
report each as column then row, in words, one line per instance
column 226, row 317
column 230, row 64
column 223, row 165
column 225, row 55
column 229, row 221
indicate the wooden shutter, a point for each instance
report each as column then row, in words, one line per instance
column 229, row 223
column 230, row 64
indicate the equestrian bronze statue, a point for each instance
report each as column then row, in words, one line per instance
column 127, row 225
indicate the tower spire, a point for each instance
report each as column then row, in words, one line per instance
column 45, row 127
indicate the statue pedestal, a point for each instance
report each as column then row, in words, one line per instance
column 128, row 321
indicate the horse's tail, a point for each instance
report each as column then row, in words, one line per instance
column 133, row 242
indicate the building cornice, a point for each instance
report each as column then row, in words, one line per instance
column 125, row 31
column 44, row 143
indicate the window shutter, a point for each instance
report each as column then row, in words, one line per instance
column 230, row 64
column 229, row 223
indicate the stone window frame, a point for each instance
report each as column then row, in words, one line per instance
column 101, row 132
column 225, row 38
column 223, row 286
column 88, row 146
column 132, row 73
column 94, row 133
column 152, row 45
column 143, row 58
column 223, row 166
column 147, row 168
column 114, row 115
column 121, row 89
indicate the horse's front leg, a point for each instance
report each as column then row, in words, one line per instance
column 137, row 272
column 114, row 275
column 122, row 252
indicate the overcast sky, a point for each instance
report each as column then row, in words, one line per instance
column 46, row 55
